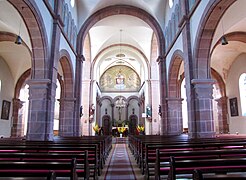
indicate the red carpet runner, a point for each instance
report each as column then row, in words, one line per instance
column 120, row 167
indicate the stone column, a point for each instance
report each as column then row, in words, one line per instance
column 40, row 124
column 112, row 112
column 155, row 96
column 86, row 106
column 222, row 114
column 66, row 116
column 163, row 94
column 174, row 116
column 203, row 124
column 77, row 128
column 17, row 129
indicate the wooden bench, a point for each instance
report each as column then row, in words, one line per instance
column 199, row 175
column 31, row 176
column 150, row 155
column 59, row 148
column 221, row 165
column 35, row 168
column 162, row 157
column 41, row 154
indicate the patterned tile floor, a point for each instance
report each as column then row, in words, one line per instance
column 121, row 164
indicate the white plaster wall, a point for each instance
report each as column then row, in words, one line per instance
column 47, row 19
column 64, row 45
column 6, row 93
column 195, row 20
column 73, row 11
column 177, row 46
column 236, row 123
column 233, row 20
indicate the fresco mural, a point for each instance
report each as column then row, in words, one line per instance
column 120, row 78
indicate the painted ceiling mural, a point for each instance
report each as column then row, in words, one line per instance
column 120, row 78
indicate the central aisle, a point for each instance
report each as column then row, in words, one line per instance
column 121, row 165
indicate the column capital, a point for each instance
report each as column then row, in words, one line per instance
column 174, row 99
column 38, row 81
column 161, row 59
column 202, row 81
column 80, row 57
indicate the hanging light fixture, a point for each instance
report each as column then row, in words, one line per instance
column 223, row 38
column 18, row 38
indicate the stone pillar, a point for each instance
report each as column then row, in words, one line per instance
column 112, row 112
column 140, row 113
column 86, row 106
column 163, row 94
column 155, row 96
column 222, row 115
column 40, row 124
column 66, row 117
column 17, row 129
column 77, row 128
column 203, row 124
column 188, row 64
column 174, row 116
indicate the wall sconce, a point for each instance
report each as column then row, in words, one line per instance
column 18, row 40
column 159, row 111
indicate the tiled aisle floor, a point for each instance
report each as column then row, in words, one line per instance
column 121, row 164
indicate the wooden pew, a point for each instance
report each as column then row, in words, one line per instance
column 62, row 169
column 79, row 168
column 35, row 176
column 198, row 174
column 29, row 153
column 221, row 165
column 186, row 165
column 150, row 154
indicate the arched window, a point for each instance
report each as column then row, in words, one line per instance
column 23, row 112
column 170, row 2
column 72, row 2
column 176, row 19
column 65, row 20
column 57, row 107
column 68, row 30
column 184, row 105
column 75, row 37
column 242, row 91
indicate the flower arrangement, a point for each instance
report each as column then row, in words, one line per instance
column 96, row 128
column 121, row 129
column 140, row 128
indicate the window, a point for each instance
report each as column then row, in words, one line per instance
column 170, row 3
column 57, row 106
column 72, row 3
column 242, row 91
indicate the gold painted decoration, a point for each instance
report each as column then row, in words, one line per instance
column 120, row 78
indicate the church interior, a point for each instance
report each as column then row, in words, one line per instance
column 128, row 80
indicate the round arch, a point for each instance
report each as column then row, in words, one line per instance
column 36, row 28
column 116, row 10
column 210, row 19
column 66, row 65
column 173, row 85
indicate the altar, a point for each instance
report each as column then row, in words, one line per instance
column 120, row 131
